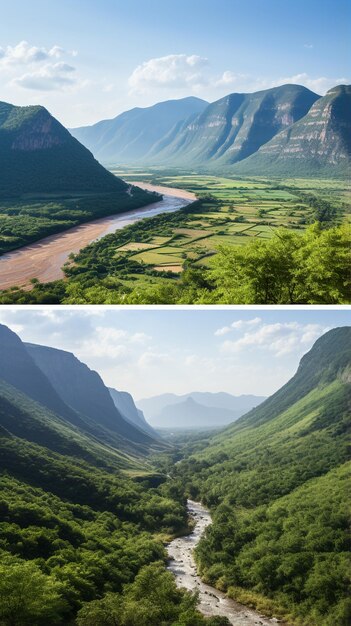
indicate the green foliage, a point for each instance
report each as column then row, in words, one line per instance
column 152, row 598
column 290, row 268
column 27, row 596
column 277, row 482
column 84, row 527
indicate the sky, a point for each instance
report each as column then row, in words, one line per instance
column 87, row 60
column 151, row 351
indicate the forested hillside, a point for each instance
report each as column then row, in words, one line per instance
column 82, row 522
column 277, row 483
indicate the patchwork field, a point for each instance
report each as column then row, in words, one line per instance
column 232, row 211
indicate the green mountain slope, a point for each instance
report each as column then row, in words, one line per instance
column 276, row 531
column 317, row 144
column 30, row 421
column 38, row 155
column 234, row 127
column 131, row 135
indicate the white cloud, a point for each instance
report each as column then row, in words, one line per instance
column 24, row 54
column 308, row 45
column 38, row 68
column 222, row 331
column 153, row 359
column 175, row 71
column 279, row 338
column 112, row 343
column 48, row 78
column 243, row 323
column 237, row 325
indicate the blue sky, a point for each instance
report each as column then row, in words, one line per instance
column 86, row 60
column 148, row 352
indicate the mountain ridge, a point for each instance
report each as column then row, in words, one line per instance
column 131, row 134
column 38, row 155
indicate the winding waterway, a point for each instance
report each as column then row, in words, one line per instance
column 211, row 601
column 44, row 259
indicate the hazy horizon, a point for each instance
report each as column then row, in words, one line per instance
column 150, row 352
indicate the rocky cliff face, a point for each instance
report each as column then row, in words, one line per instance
column 235, row 127
column 319, row 142
column 41, row 134
column 19, row 370
column 124, row 402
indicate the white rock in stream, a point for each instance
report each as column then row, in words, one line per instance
column 211, row 601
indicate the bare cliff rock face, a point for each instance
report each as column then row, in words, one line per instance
column 320, row 142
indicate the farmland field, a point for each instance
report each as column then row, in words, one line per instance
column 232, row 211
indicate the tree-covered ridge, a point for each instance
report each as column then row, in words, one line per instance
column 12, row 117
column 277, row 483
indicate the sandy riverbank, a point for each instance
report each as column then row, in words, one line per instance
column 44, row 259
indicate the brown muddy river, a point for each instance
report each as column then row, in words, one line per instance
column 211, row 601
column 44, row 259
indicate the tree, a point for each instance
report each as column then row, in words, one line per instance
column 291, row 268
column 27, row 596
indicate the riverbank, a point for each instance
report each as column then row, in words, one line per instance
column 211, row 601
column 44, row 259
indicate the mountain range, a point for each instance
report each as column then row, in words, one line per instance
column 319, row 143
column 196, row 409
column 66, row 388
column 285, row 131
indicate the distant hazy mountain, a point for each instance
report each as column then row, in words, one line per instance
column 191, row 415
column 124, row 402
column 131, row 135
column 234, row 127
column 319, row 143
column 38, row 155
column 197, row 409
column 83, row 389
